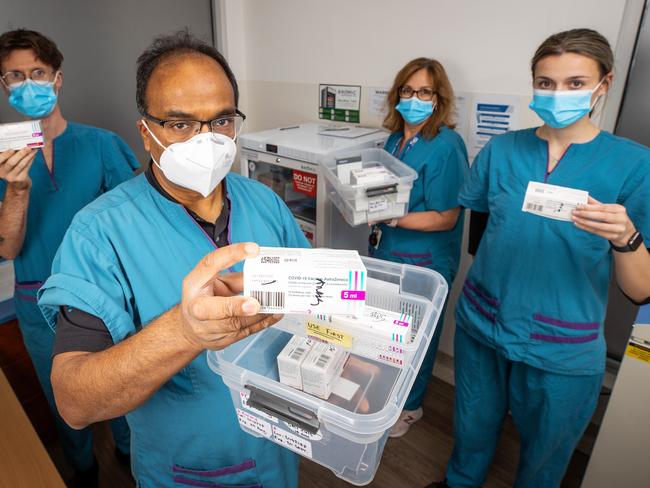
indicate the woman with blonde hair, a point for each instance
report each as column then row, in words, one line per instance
column 421, row 104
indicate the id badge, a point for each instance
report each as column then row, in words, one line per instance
column 375, row 237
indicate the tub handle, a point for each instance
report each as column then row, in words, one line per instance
column 293, row 413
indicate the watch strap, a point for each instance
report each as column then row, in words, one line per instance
column 632, row 245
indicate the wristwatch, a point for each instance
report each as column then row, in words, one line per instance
column 632, row 245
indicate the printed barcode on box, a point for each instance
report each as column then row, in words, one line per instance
column 269, row 298
column 298, row 353
column 534, row 207
column 322, row 361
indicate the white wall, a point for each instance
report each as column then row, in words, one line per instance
column 282, row 49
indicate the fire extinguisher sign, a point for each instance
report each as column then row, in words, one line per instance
column 305, row 183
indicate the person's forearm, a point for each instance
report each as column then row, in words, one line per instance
column 633, row 273
column 430, row 221
column 13, row 221
column 90, row 387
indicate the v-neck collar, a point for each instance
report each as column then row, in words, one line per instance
column 41, row 154
column 571, row 148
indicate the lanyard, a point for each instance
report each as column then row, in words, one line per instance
column 412, row 141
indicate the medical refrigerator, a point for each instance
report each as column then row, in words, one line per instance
column 289, row 160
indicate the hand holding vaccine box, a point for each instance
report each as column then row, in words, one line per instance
column 311, row 281
column 552, row 201
column 20, row 135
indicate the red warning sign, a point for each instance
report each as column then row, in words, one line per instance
column 305, row 183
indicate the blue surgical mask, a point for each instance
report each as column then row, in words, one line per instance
column 561, row 108
column 33, row 99
column 414, row 110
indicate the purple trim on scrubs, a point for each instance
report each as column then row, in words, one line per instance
column 410, row 254
column 214, row 244
column 182, row 480
column 50, row 173
column 490, row 316
column 28, row 285
column 565, row 324
column 27, row 298
column 565, row 340
column 492, row 301
column 235, row 468
column 229, row 217
column 547, row 173
column 426, row 262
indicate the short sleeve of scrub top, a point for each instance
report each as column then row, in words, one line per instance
column 106, row 293
column 474, row 192
column 118, row 160
column 443, row 180
column 635, row 197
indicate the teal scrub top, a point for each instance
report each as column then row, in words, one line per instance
column 537, row 290
column 441, row 165
column 123, row 260
column 87, row 161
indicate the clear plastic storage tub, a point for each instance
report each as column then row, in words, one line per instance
column 361, row 203
column 345, row 435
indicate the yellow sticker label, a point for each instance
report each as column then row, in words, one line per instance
column 328, row 334
column 638, row 351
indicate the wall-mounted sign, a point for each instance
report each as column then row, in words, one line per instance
column 339, row 102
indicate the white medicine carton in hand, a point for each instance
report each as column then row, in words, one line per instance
column 552, row 201
column 20, row 135
column 311, row 281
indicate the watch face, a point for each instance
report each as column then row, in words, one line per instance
column 635, row 241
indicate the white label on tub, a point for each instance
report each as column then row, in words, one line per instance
column 244, row 403
column 251, row 422
column 378, row 204
column 302, row 432
column 292, row 442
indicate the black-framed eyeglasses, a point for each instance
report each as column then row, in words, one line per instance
column 425, row 94
column 40, row 76
column 177, row 130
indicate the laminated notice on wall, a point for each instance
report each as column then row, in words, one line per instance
column 339, row 102
column 491, row 116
